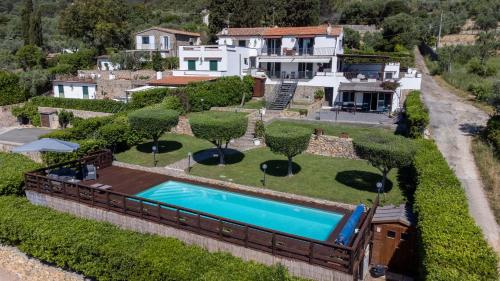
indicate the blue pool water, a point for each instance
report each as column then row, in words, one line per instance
column 289, row 218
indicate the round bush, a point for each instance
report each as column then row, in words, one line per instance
column 218, row 127
column 287, row 140
column 153, row 121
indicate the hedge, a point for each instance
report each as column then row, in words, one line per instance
column 492, row 132
column 149, row 97
column 102, row 251
column 10, row 91
column 452, row 246
column 109, row 106
column 417, row 115
column 12, row 169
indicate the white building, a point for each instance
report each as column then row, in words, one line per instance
column 165, row 40
column 75, row 88
column 297, row 61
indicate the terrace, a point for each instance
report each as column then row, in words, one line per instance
column 126, row 182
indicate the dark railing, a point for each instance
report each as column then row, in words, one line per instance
column 363, row 75
column 292, row 52
column 316, row 252
column 291, row 74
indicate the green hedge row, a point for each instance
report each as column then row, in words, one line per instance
column 105, row 252
column 221, row 92
column 10, row 91
column 452, row 245
column 109, row 106
column 417, row 115
column 12, row 169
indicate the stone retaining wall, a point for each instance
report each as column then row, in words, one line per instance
column 332, row 146
column 183, row 127
column 295, row 267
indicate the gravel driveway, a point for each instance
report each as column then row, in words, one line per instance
column 452, row 124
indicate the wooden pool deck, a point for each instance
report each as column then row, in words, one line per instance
column 125, row 183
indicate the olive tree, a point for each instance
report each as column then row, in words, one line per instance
column 287, row 140
column 218, row 128
column 384, row 151
column 153, row 122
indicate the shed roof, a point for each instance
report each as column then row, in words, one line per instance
column 170, row 30
column 392, row 214
column 363, row 87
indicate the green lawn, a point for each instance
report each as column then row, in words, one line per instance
column 353, row 130
column 172, row 148
column 335, row 179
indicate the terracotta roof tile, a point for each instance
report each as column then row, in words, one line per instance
column 282, row 31
column 179, row 80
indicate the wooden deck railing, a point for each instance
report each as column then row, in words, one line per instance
column 345, row 259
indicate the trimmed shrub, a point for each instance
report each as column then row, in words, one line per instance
column 153, row 121
column 64, row 118
column 12, row 169
column 384, row 152
column 173, row 103
column 102, row 251
column 452, row 246
column 218, row 127
column 287, row 140
column 10, row 91
column 260, row 129
column 319, row 94
column 417, row 115
column 109, row 106
column 492, row 132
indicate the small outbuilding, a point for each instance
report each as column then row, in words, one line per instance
column 394, row 238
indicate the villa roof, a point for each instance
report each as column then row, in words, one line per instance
column 363, row 87
column 283, row 31
column 170, row 30
column 179, row 80
column 392, row 214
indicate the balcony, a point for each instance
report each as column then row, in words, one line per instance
column 292, row 75
column 297, row 52
column 364, row 76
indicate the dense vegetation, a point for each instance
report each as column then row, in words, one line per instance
column 104, row 252
column 109, row 106
column 13, row 167
column 452, row 245
column 416, row 114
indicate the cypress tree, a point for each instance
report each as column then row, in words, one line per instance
column 26, row 21
column 35, row 31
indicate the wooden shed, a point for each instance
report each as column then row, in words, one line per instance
column 394, row 238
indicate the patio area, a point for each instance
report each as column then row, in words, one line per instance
column 331, row 114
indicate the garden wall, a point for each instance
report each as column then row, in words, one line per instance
column 295, row 267
column 332, row 146
column 77, row 113
column 6, row 146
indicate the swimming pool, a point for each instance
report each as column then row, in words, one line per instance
column 279, row 216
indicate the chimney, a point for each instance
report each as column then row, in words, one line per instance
column 329, row 29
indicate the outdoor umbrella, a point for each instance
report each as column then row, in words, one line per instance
column 47, row 145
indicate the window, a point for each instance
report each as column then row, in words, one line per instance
column 191, row 65
column 253, row 62
column 388, row 75
column 213, row 65
column 166, row 43
column 61, row 91
column 242, row 43
column 85, row 90
column 405, row 236
column 145, row 40
column 245, row 60
column 391, row 234
column 348, row 96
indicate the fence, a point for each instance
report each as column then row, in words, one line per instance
column 329, row 255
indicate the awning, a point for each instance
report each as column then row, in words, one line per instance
column 140, row 89
column 296, row 59
column 363, row 87
column 47, row 145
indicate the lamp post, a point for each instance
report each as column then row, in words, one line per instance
column 189, row 162
column 155, row 149
column 264, row 168
column 380, row 188
column 202, row 105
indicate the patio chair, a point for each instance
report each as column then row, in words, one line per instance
column 90, row 172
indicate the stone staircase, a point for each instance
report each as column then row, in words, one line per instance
column 246, row 141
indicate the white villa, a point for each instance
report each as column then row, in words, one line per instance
column 75, row 88
column 296, row 62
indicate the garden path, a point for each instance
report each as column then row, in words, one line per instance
column 453, row 123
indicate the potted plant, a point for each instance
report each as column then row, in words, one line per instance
column 319, row 94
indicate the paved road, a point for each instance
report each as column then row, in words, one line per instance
column 452, row 123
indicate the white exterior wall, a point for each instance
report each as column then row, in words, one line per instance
column 74, row 90
column 252, row 41
column 140, row 46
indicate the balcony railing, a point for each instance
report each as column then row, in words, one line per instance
column 363, row 75
column 294, row 52
column 291, row 74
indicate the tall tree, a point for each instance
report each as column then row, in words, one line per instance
column 26, row 21
column 301, row 13
column 35, row 29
